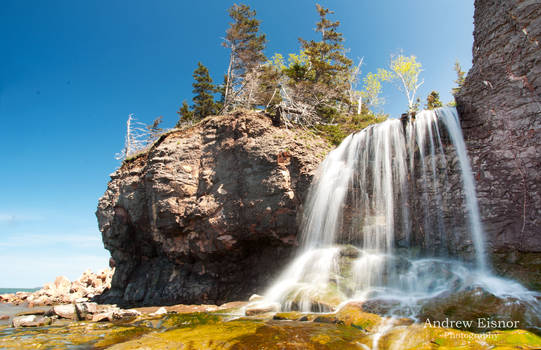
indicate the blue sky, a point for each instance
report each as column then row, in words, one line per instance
column 72, row 71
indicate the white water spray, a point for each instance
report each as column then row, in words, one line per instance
column 382, row 188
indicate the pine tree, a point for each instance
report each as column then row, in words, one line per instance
column 203, row 88
column 460, row 78
column 433, row 100
column 186, row 115
column 327, row 57
column 246, row 45
column 328, row 66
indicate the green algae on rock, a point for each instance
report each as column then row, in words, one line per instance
column 76, row 334
column 348, row 328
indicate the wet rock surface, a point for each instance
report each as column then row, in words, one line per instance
column 31, row 321
column 210, row 214
column 227, row 328
column 486, row 311
column 500, row 110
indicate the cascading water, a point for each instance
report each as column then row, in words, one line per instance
column 380, row 223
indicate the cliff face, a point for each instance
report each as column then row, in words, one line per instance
column 500, row 109
column 210, row 214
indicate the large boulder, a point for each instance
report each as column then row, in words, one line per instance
column 210, row 214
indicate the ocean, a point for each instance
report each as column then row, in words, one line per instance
column 15, row 290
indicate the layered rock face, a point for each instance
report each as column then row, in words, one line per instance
column 500, row 109
column 210, row 214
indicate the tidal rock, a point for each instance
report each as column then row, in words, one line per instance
column 32, row 312
column 124, row 315
column 66, row 311
column 260, row 308
column 210, row 214
column 31, row 321
column 482, row 306
column 352, row 314
column 158, row 312
column 104, row 316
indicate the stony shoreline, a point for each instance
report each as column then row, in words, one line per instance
column 63, row 315
column 228, row 327
column 64, row 291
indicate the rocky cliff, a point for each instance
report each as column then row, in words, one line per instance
column 500, row 109
column 210, row 213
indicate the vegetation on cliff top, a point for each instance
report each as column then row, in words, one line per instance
column 319, row 88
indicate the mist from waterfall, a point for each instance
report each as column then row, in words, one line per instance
column 383, row 218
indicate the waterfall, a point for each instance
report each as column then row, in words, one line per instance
column 379, row 221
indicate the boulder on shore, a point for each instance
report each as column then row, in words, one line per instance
column 31, row 321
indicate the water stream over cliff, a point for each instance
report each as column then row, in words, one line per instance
column 381, row 221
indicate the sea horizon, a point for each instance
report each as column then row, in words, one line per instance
column 15, row 290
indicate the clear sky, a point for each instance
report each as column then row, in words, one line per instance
column 72, row 71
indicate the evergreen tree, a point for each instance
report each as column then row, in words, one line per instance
column 246, row 45
column 327, row 57
column 186, row 115
column 460, row 78
column 203, row 101
column 322, row 79
column 433, row 100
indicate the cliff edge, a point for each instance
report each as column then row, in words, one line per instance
column 210, row 214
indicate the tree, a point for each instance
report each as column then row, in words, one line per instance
column 372, row 87
column 316, row 84
column 460, row 78
column 407, row 70
column 154, row 129
column 139, row 137
column 246, row 46
column 433, row 100
column 203, row 101
column 328, row 66
column 327, row 57
column 186, row 115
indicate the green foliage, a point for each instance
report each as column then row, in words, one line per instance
column 246, row 46
column 345, row 125
column 327, row 57
column 372, row 87
column 203, row 101
column 203, row 88
column 460, row 78
column 322, row 68
column 267, row 90
column 433, row 100
column 186, row 115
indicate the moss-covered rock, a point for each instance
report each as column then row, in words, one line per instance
column 348, row 328
column 352, row 315
column 81, row 334
column 420, row 337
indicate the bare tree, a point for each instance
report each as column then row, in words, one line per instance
column 139, row 137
